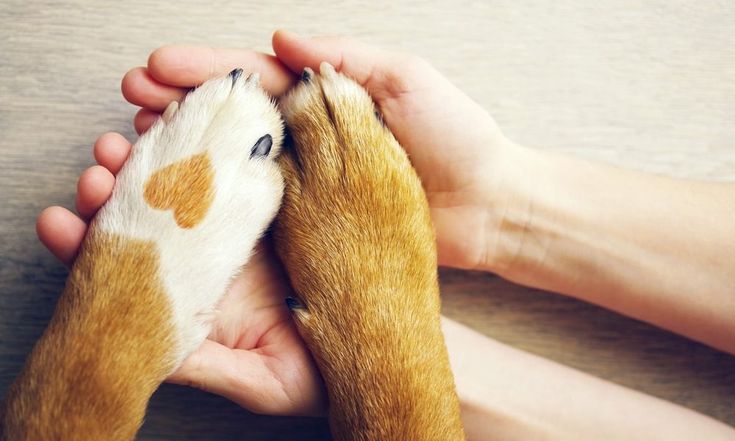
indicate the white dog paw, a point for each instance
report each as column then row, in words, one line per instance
column 202, row 185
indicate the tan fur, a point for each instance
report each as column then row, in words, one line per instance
column 355, row 235
column 186, row 187
column 103, row 354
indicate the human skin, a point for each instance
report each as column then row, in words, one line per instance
column 472, row 193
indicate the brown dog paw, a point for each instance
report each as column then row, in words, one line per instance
column 356, row 237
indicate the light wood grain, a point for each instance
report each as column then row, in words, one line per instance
column 648, row 87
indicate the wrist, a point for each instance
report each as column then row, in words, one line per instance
column 510, row 192
column 550, row 220
column 538, row 219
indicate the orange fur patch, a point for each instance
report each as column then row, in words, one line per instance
column 104, row 353
column 186, row 187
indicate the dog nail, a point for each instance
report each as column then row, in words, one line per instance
column 306, row 74
column 326, row 69
column 379, row 117
column 294, row 303
column 262, row 146
column 253, row 78
column 171, row 109
column 235, row 74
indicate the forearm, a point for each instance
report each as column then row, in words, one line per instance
column 650, row 247
column 507, row 394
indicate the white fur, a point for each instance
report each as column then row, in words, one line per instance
column 197, row 264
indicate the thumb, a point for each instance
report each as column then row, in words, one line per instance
column 239, row 375
column 376, row 69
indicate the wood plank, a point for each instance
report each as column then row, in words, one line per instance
column 648, row 87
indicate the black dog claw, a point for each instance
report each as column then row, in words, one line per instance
column 262, row 146
column 306, row 75
column 294, row 303
column 235, row 74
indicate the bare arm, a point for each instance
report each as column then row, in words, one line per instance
column 650, row 247
column 507, row 394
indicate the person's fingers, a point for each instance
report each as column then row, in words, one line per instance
column 381, row 72
column 111, row 150
column 189, row 66
column 144, row 119
column 139, row 88
column 62, row 232
column 239, row 375
column 93, row 190
column 208, row 368
column 352, row 57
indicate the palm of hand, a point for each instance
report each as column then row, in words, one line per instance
column 254, row 355
column 454, row 145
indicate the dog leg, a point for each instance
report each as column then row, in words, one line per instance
column 198, row 190
column 355, row 235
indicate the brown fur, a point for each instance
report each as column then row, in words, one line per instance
column 186, row 187
column 355, row 235
column 105, row 351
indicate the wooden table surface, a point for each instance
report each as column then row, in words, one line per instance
column 646, row 87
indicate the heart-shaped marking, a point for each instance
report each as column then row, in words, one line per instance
column 186, row 187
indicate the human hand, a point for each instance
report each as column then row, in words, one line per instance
column 454, row 144
column 253, row 355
